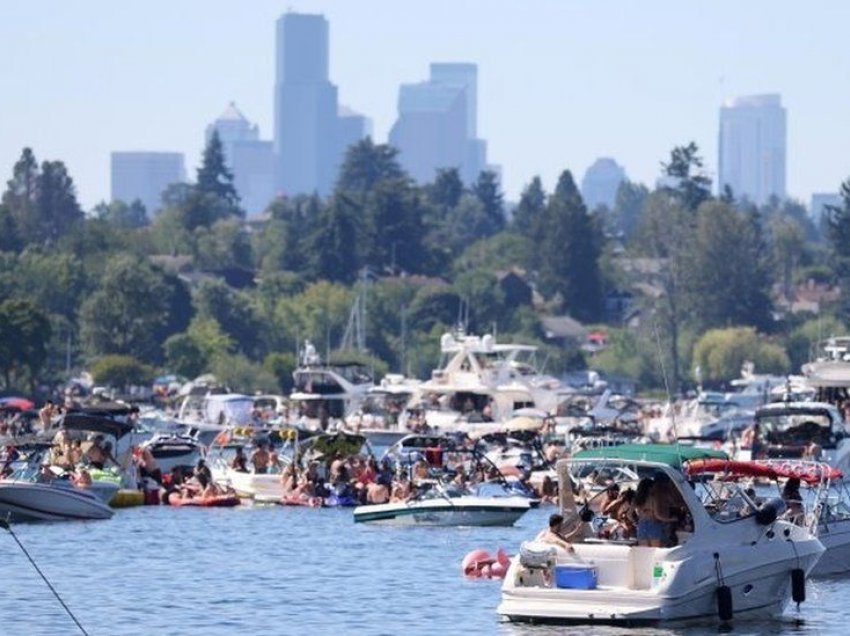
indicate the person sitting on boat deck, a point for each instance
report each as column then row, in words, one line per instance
column 81, row 478
column 610, row 500
column 812, row 450
column 96, row 454
column 289, row 478
column 557, row 534
column 203, row 475
column 401, row 489
column 420, row 470
column 654, row 526
column 260, row 459
column 239, row 463
column 793, row 500
column 377, row 493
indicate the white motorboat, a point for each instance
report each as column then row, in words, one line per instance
column 382, row 416
column 824, row 496
column 444, row 505
column 172, row 450
column 743, row 566
column 325, row 391
column 789, row 430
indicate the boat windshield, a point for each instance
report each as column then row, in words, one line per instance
column 796, row 428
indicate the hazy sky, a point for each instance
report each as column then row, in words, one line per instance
column 561, row 82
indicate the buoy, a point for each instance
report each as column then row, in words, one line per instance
column 798, row 585
column 724, row 603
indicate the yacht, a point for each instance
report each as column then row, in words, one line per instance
column 750, row 565
column 383, row 416
column 831, row 367
column 328, row 391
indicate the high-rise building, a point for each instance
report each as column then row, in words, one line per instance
column 438, row 122
column 249, row 158
column 820, row 200
column 309, row 135
column 752, row 147
column 601, row 182
column 144, row 176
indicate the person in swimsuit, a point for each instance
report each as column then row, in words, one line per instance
column 96, row 454
column 559, row 534
column 655, row 522
column 239, row 463
column 260, row 459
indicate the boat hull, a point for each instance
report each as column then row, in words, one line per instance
column 463, row 511
column 757, row 592
column 25, row 501
column 835, row 537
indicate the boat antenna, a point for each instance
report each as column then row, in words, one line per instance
column 667, row 389
column 6, row 524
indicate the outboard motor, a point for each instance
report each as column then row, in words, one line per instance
column 770, row 511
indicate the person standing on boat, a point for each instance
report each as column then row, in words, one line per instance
column 260, row 459
column 654, row 526
column 45, row 415
column 239, row 463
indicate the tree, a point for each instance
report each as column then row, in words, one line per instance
column 392, row 216
column 121, row 372
column 281, row 366
column 121, row 215
column 628, row 207
column 685, row 169
column 838, row 231
column 729, row 281
column 721, row 353
column 486, row 188
column 569, row 252
column 25, row 334
column 530, row 210
column 10, row 240
column 21, row 196
column 365, row 164
column 134, row 310
column 214, row 177
column 57, row 210
column 233, row 312
column 332, row 249
column 446, row 190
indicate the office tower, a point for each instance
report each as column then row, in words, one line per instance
column 752, row 147
column 820, row 200
column 249, row 158
column 437, row 124
column 309, row 136
column 144, row 176
column 351, row 127
column 601, row 182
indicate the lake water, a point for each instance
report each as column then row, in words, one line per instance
column 274, row 570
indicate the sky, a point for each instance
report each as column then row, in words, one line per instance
column 561, row 82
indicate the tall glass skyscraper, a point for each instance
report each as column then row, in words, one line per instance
column 309, row 136
column 752, row 147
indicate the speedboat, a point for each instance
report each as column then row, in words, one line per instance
column 825, row 499
column 173, row 450
column 748, row 565
column 29, row 501
column 445, row 505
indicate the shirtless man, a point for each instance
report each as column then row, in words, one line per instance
column 260, row 459
column 558, row 535
column 45, row 415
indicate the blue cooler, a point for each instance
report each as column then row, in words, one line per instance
column 576, row 577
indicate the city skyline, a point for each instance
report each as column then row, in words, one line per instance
column 559, row 86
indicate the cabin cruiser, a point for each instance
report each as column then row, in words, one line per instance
column 824, row 502
column 37, row 493
column 798, row 430
column 172, row 450
column 383, row 415
column 719, row 568
column 325, row 391
column 830, row 371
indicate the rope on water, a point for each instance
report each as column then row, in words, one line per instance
column 5, row 524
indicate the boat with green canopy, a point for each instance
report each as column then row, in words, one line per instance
column 673, row 455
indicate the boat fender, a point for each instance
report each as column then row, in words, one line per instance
column 724, row 603
column 769, row 511
column 798, row 585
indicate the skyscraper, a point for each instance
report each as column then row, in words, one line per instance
column 752, row 147
column 249, row 158
column 600, row 183
column 309, row 136
column 437, row 123
column 144, row 176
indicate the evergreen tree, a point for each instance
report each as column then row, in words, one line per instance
column 214, row 177
column 685, row 168
column 21, row 195
column 530, row 210
column 332, row 246
column 838, row 231
column 628, row 207
column 570, row 251
column 486, row 189
column 446, row 190
column 729, row 279
column 57, row 210
column 365, row 164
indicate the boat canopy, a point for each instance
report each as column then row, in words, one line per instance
column 810, row 472
column 673, row 455
column 94, row 423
